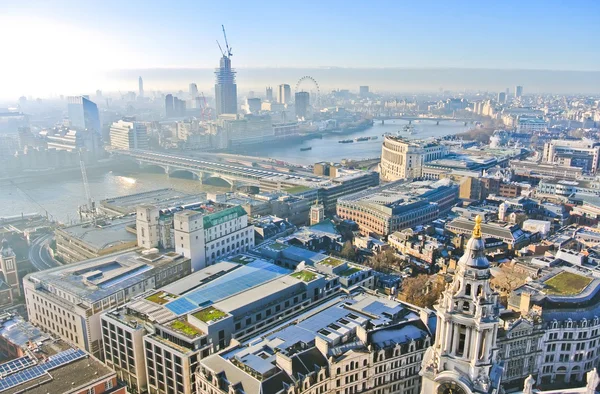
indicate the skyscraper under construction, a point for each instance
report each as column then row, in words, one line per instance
column 225, row 87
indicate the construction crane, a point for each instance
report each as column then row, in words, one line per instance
column 221, row 49
column 88, row 210
column 205, row 110
column 229, row 53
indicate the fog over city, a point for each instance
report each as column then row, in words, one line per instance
column 299, row 197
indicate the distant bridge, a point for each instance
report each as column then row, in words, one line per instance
column 410, row 119
column 235, row 175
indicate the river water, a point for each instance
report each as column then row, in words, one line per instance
column 60, row 197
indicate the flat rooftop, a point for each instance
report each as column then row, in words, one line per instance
column 95, row 279
column 104, row 234
column 162, row 198
column 256, row 272
column 59, row 374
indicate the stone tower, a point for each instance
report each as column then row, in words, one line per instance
column 317, row 213
column 8, row 264
column 462, row 360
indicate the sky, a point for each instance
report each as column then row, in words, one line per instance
column 63, row 46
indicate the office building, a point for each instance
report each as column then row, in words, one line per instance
column 225, row 88
column 193, row 90
column 518, row 91
column 179, row 107
column 302, row 104
column 83, row 114
column 253, row 105
column 584, row 154
column 70, row 140
column 502, row 97
column 284, row 94
column 317, row 213
column 363, row 91
column 140, row 87
column 403, row 159
column 462, row 358
column 169, row 106
column 564, row 299
column 364, row 343
column 85, row 241
column 205, row 233
column 398, row 205
column 67, row 301
column 509, row 233
column 168, row 331
column 164, row 198
column 128, row 135
column 55, row 367
column 269, row 94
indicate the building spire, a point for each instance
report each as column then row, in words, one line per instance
column 477, row 228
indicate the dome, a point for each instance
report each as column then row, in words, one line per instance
column 475, row 249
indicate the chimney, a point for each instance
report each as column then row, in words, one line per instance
column 525, row 303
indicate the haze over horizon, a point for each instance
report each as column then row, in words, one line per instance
column 69, row 47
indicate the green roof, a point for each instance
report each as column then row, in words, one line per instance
column 304, row 275
column 185, row 328
column 297, row 189
column 162, row 297
column 349, row 271
column 210, row 313
column 223, row 216
column 242, row 259
column 332, row 261
column 566, row 284
column 278, row 246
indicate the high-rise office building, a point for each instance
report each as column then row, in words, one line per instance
column 225, row 88
column 518, row 91
column 193, row 90
column 364, row 91
column 284, row 94
column 128, row 135
column 83, row 113
column 501, row 97
column 253, row 105
column 302, row 102
column 140, row 87
column 169, row 105
column 269, row 93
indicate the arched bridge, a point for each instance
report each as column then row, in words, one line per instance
column 410, row 119
column 235, row 175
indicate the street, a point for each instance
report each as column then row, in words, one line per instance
column 38, row 253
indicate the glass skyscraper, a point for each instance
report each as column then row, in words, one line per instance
column 83, row 114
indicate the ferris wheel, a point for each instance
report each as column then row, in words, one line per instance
column 310, row 85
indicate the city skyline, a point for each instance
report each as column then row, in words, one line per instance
column 432, row 36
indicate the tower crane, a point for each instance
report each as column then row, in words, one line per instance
column 229, row 53
column 88, row 209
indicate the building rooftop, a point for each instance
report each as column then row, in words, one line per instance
column 52, row 372
column 103, row 235
column 234, row 282
column 95, row 279
column 162, row 198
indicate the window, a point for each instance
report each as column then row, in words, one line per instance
column 91, row 390
column 108, row 385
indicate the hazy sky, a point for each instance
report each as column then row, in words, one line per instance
column 64, row 46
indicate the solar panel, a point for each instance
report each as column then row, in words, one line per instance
column 15, row 365
column 33, row 372
column 244, row 278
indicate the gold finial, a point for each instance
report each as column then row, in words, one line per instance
column 477, row 228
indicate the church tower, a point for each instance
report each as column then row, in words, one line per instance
column 462, row 360
column 8, row 264
column 317, row 213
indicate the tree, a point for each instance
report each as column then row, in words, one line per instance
column 385, row 261
column 348, row 251
column 421, row 290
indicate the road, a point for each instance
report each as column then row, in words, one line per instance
column 38, row 253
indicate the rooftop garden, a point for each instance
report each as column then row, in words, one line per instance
column 242, row 259
column 209, row 314
column 297, row 189
column 566, row 284
column 331, row 261
column 350, row 271
column 161, row 298
column 278, row 246
column 304, row 275
column 185, row 328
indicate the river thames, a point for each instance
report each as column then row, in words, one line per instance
column 60, row 197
